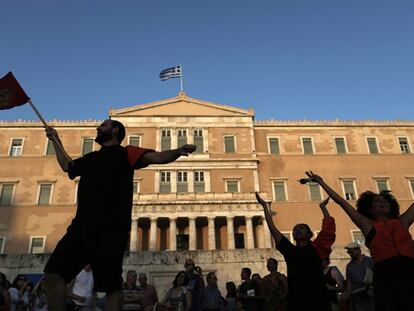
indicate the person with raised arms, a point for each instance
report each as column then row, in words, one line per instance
column 307, row 290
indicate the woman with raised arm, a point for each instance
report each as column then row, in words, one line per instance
column 387, row 236
column 306, row 285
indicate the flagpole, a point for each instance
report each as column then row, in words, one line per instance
column 58, row 143
column 181, row 78
column 38, row 113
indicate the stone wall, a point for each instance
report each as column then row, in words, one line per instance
column 161, row 267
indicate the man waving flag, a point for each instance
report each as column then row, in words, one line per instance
column 11, row 93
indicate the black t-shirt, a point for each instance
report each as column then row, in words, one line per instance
column 251, row 289
column 306, row 286
column 105, row 187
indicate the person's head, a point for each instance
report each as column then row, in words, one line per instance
column 245, row 274
column 131, row 277
column 231, row 289
column 211, row 279
column 181, row 279
column 19, row 281
column 272, row 264
column 88, row 268
column 142, row 279
column 2, row 280
column 189, row 265
column 354, row 250
column 302, row 232
column 378, row 205
column 256, row 277
column 108, row 130
column 29, row 286
column 199, row 270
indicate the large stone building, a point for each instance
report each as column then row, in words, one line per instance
column 204, row 201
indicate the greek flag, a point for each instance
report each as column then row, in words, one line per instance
column 173, row 72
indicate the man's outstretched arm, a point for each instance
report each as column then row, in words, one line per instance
column 63, row 158
column 277, row 236
column 164, row 157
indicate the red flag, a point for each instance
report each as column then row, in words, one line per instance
column 11, row 93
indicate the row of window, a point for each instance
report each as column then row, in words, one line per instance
column 340, row 145
column 16, row 146
column 36, row 244
column 280, row 192
column 45, row 189
column 348, row 188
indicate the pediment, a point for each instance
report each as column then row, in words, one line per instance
column 182, row 105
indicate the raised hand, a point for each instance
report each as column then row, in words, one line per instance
column 315, row 178
column 51, row 133
column 324, row 203
column 187, row 149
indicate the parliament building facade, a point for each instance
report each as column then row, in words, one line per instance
column 205, row 201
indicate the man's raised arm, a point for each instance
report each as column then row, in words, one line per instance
column 277, row 236
column 167, row 156
column 63, row 158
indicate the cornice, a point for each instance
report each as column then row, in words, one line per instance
column 330, row 123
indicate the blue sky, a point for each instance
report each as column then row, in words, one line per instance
column 288, row 60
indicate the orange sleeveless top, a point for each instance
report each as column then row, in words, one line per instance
column 389, row 238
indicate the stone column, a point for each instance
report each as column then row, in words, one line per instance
column 267, row 238
column 230, row 233
column 153, row 235
column 173, row 234
column 249, row 232
column 133, row 235
column 192, row 233
column 211, row 234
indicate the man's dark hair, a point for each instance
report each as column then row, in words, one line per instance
column 120, row 135
column 274, row 260
column 365, row 200
column 306, row 226
column 248, row 271
column 210, row 274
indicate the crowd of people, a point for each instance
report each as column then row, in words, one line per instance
column 191, row 290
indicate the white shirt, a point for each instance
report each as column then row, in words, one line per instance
column 83, row 287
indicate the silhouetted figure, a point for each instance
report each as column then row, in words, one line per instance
column 231, row 296
column 307, row 290
column 5, row 300
column 99, row 233
column 150, row 295
column 249, row 291
column 274, row 288
column 334, row 281
column 387, row 236
column 360, row 290
column 195, row 284
column 211, row 299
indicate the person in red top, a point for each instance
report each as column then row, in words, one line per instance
column 99, row 233
column 307, row 290
column 387, row 236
